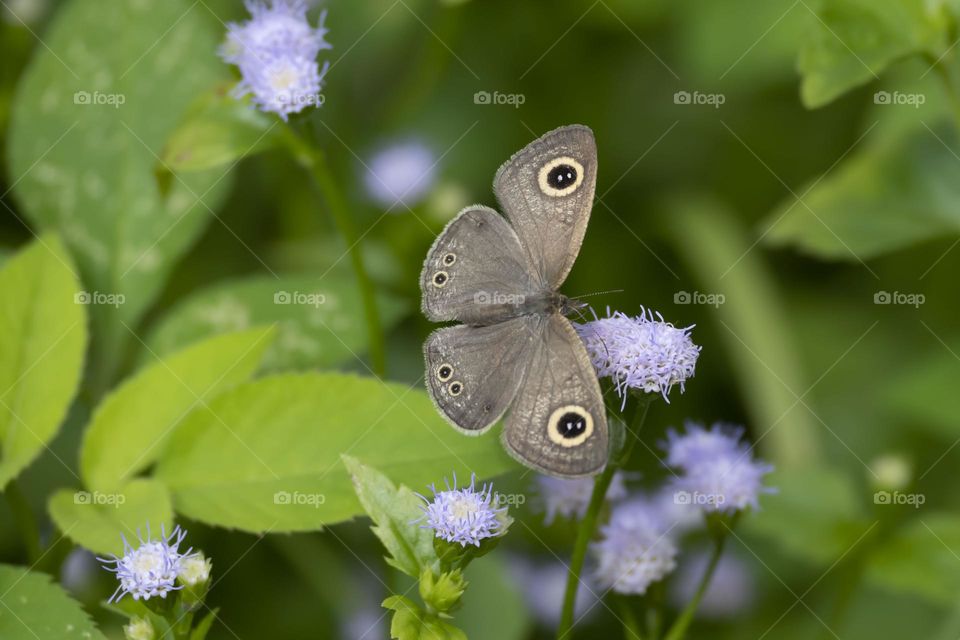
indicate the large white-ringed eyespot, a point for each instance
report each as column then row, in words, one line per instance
column 560, row 177
column 569, row 425
column 444, row 372
column 455, row 388
column 449, row 259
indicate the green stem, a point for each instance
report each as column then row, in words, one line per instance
column 25, row 521
column 631, row 626
column 682, row 623
column 589, row 523
column 314, row 160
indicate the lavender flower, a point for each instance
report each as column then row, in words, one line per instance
column 465, row 515
column 642, row 353
column 151, row 568
column 719, row 472
column 569, row 498
column 635, row 549
column 542, row 586
column 276, row 52
column 400, row 174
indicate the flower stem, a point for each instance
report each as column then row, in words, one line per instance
column 682, row 623
column 315, row 161
column 589, row 523
column 25, row 521
column 631, row 626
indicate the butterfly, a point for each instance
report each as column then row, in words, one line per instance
column 515, row 352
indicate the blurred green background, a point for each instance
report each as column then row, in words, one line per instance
column 772, row 208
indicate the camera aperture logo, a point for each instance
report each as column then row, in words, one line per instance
column 309, row 298
column 114, row 100
column 900, row 298
column 299, row 499
column 497, row 98
column 96, row 498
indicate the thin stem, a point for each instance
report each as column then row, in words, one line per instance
column 682, row 623
column 589, row 523
column 631, row 626
column 315, row 161
column 25, row 521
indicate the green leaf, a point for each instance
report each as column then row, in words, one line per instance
column 925, row 391
column 410, row 622
column 34, row 608
column 90, row 117
column 316, row 319
column 265, row 456
column 493, row 589
column 888, row 195
column 396, row 514
column 131, row 426
column 853, row 41
column 442, row 592
column 203, row 627
column 95, row 520
column 41, row 353
column 816, row 514
column 921, row 558
column 218, row 130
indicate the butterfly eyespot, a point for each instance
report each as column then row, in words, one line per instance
column 570, row 426
column 444, row 372
column 455, row 388
column 449, row 259
column 560, row 177
column 440, row 278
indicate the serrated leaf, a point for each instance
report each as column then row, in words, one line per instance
column 921, row 558
column 131, row 426
column 852, row 42
column 886, row 196
column 397, row 516
column 265, row 456
column 218, row 130
column 410, row 622
column 34, row 608
column 90, row 116
column 96, row 520
column 41, row 353
column 318, row 320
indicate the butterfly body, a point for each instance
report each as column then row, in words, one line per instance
column 515, row 352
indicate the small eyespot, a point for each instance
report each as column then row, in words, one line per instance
column 570, row 426
column 455, row 388
column 444, row 372
column 440, row 278
column 449, row 259
column 560, row 177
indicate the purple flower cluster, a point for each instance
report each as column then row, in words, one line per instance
column 465, row 515
column 150, row 569
column 569, row 497
column 276, row 52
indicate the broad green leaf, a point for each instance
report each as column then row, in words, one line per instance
column 44, row 336
column 816, row 514
column 34, row 608
column 131, row 426
column 203, row 627
column 397, row 518
column 265, row 456
column 921, row 558
column 410, row 622
column 90, row 117
column 925, row 391
column 887, row 195
column 718, row 251
column 96, row 520
column 218, row 130
column 852, row 42
column 319, row 320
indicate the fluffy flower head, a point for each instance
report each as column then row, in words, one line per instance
column 151, row 568
column 642, row 353
column 569, row 497
column 634, row 551
column 464, row 515
column 276, row 52
column 400, row 173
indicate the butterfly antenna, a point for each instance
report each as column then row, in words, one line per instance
column 597, row 293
